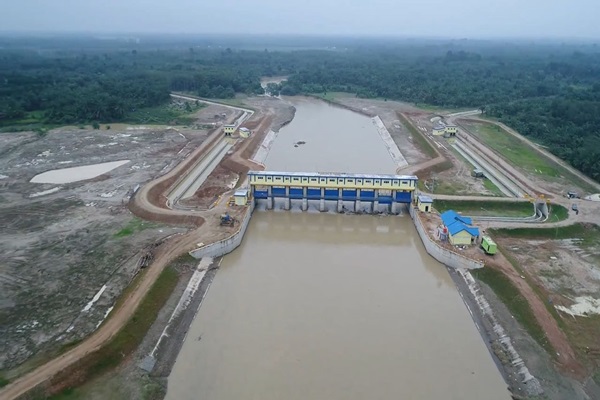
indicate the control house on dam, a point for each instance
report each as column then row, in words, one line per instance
column 389, row 190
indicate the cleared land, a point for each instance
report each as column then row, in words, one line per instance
column 561, row 265
column 76, row 235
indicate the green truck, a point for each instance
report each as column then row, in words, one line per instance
column 489, row 246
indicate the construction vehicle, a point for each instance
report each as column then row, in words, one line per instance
column 488, row 245
column 227, row 220
column 477, row 173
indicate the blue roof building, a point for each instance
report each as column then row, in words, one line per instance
column 459, row 230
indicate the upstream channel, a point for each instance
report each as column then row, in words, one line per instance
column 326, row 306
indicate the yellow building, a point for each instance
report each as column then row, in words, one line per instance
column 424, row 203
column 439, row 129
column 229, row 129
column 462, row 238
column 451, row 130
column 241, row 197
column 245, row 132
column 459, row 230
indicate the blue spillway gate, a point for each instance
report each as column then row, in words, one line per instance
column 385, row 199
column 349, row 194
column 313, row 194
column 331, row 194
column 278, row 192
column 261, row 194
column 367, row 195
column 296, row 193
column 403, row 197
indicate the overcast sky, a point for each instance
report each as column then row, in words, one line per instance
column 451, row 18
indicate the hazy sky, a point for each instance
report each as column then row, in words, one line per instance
column 452, row 18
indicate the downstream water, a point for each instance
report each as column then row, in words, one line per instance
column 327, row 306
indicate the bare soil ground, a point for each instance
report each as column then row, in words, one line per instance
column 218, row 182
column 58, row 250
column 564, row 270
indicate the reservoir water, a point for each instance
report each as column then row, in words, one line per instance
column 328, row 306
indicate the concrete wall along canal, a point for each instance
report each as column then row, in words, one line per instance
column 227, row 245
column 441, row 254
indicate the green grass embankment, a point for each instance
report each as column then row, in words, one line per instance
column 588, row 234
column 486, row 208
column 490, row 208
column 523, row 155
column 515, row 302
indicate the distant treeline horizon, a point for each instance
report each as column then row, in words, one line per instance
column 548, row 90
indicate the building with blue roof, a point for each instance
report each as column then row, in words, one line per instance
column 460, row 231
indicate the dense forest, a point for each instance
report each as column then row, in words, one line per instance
column 549, row 91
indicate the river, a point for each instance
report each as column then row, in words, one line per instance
column 328, row 306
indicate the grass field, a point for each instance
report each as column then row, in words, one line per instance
column 516, row 303
column 489, row 185
column 521, row 154
column 134, row 225
column 557, row 213
column 486, row 208
column 513, row 149
column 588, row 234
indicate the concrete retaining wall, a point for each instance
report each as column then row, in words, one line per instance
column 443, row 255
column 227, row 245
column 390, row 145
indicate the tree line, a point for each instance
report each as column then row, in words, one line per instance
column 547, row 91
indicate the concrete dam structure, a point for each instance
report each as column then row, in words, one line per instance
column 389, row 190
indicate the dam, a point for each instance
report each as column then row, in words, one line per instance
column 373, row 189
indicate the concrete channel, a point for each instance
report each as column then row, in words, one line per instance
column 497, row 177
column 192, row 181
column 188, row 184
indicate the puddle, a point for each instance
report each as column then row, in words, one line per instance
column 584, row 306
column 74, row 174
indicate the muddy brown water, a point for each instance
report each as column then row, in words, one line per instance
column 328, row 306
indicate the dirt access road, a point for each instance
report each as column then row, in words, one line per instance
column 149, row 203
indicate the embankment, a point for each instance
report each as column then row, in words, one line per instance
column 443, row 255
column 226, row 245
column 390, row 145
